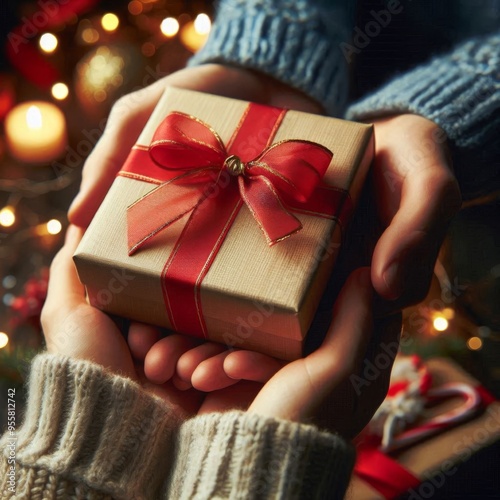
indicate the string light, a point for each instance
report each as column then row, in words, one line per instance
column 440, row 323
column 54, row 226
column 169, row 27
column 4, row 339
column 7, row 216
column 48, row 42
column 60, row 91
column 110, row 22
column 474, row 343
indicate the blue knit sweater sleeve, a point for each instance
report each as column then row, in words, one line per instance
column 460, row 91
column 295, row 41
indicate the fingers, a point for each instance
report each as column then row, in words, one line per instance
column 404, row 257
column 417, row 195
column 348, row 336
column 250, row 365
column 65, row 289
column 189, row 361
column 300, row 387
column 141, row 338
column 179, row 358
column 161, row 360
column 209, row 375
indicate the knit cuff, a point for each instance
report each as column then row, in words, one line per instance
column 296, row 42
column 85, row 426
column 458, row 91
column 239, row 455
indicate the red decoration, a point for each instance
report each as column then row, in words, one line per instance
column 277, row 177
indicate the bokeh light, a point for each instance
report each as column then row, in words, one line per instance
column 202, row 24
column 48, row 42
column 169, row 27
column 474, row 343
column 7, row 217
column 54, row 226
column 110, row 22
column 60, row 91
column 440, row 323
column 135, row 7
column 4, row 339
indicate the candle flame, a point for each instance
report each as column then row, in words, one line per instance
column 34, row 117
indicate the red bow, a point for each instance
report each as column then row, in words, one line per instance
column 288, row 171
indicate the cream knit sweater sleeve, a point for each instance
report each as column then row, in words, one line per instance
column 90, row 434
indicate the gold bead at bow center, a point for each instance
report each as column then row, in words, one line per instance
column 234, row 165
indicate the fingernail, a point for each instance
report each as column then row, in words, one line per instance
column 393, row 280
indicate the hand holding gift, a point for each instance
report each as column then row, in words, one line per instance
column 314, row 388
column 414, row 188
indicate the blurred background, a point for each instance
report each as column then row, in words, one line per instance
column 62, row 66
column 61, row 69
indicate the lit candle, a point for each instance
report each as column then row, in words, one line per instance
column 36, row 132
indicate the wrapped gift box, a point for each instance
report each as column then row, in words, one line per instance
column 249, row 275
column 420, row 469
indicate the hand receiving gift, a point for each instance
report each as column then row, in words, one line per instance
column 316, row 388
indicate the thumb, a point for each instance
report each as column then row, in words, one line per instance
column 404, row 257
column 300, row 387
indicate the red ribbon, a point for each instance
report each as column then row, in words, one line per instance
column 287, row 171
column 384, row 473
column 197, row 178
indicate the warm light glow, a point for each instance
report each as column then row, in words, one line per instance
column 36, row 132
column 448, row 313
column 34, row 117
column 474, row 343
column 60, row 91
column 202, row 24
column 110, row 21
column 169, row 26
column 7, row 216
column 90, row 35
column 54, row 226
column 135, row 7
column 4, row 339
column 48, row 42
column 440, row 324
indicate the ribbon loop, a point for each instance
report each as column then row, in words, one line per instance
column 288, row 171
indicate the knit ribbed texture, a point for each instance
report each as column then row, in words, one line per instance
column 243, row 456
column 297, row 42
column 88, row 431
column 458, row 91
column 90, row 434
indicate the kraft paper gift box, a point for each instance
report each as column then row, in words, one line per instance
column 421, row 469
column 225, row 221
